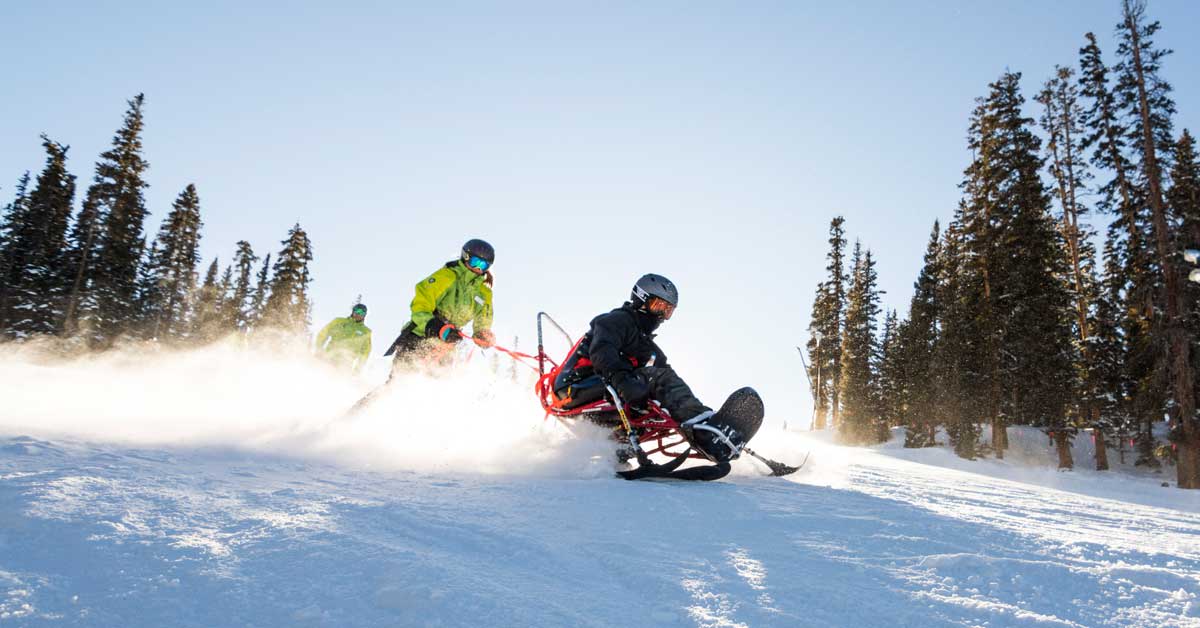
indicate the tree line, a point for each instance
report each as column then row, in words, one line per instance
column 1016, row 317
column 88, row 274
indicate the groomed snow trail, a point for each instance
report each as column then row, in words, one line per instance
column 101, row 535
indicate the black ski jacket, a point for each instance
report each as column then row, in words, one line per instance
column 621, row 341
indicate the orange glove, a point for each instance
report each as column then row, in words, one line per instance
column 485, row 338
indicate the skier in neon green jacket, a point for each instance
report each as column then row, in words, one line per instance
column 455, row 295
column 346, row 342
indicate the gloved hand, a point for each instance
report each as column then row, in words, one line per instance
column 485, row 338
column 633, row 388
column 449, row 333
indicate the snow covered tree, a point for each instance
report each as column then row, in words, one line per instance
column 859, row 348
column 14, row 214
column 956, row 358
column 916, row 345
column 81, row 260
column 37, row 245
column 1129, row 275
column 828, row 314
column 288, row 306
column 889, row 378
column 171, row 275
column 1141, row 90
column 262, row 290
column 241, row 298
column 206, row 321
column 117, row 195
column 1062, row 122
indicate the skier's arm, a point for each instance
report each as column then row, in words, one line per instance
column 605, row 349
column 364, row 351
column 429, row 292
column 483, row 310
column 323, row 335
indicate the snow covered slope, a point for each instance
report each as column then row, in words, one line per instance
column 141, row 500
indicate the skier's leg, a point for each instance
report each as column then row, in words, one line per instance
column 673, row 393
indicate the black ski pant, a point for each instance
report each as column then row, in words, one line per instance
column 669, row 389
column 666, row 387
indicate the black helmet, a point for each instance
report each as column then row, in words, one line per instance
column 479, row 249
column 653, row 287
column 359, row 307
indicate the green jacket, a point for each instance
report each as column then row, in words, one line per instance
column 456, row 295
column 346, row 342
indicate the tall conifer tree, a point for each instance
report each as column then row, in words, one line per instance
column 15, row 214
column 828, row 314
column 241, row 299
column 172, row 269
column 1141, row 90
column 36, row 248
column 206, row 320
column 916, row 346
column 288, row 306
column 859, row 348
column 117, row 193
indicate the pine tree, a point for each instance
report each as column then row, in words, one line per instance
column 15, row 214
column 206, row 321
column 262, row 291
column 1129, row 271
column 828, row 313
column 889, row 378
column 118, row 195
column 39, row 242
column 172, row 269
column 985, row 220
column 1184, row 203
column 956, row 359
column 859, row 348
column 916, row 349
column 241, row 299
column 1107, row 344
column 288, row 306
column 81, row 261
column 1141, row 90
column 1061, row 121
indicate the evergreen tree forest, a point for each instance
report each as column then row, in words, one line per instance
column 1060, row 295
column 92, row 276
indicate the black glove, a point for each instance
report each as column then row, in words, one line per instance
column 632, row 387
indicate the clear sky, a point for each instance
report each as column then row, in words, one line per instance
column 590, row 142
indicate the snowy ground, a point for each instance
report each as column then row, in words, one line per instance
column 157, row 492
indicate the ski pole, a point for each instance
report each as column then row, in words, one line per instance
column 633, row 440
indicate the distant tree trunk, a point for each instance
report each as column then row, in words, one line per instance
column 1101, row 449
column 1062, row 443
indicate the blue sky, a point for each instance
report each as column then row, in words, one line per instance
column 590, row 142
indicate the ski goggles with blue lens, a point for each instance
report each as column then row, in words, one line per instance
column 478, row 263
column 360, row 311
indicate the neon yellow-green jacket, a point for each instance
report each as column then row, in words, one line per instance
column 453, row 294
column 346, row 342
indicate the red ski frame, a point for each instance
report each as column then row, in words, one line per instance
column 657, row 432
